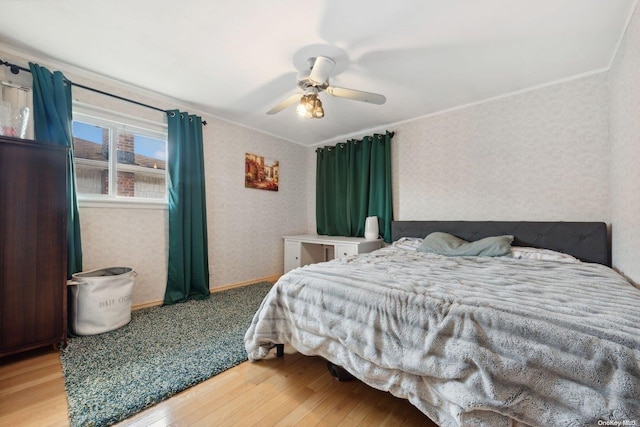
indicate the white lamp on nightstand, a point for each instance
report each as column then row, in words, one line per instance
column 371, row 229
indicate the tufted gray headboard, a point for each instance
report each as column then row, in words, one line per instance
column 587, row 241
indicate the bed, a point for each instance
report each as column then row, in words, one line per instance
column 473, row 340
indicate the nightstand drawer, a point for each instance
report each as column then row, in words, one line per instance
column 343, row 250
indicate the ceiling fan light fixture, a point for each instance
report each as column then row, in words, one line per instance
column 318, row 111
column 310, row 107
column 311, row 101
column 301, row 109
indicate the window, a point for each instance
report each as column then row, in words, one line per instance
column 119, row 158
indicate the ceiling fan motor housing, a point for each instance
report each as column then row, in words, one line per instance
column 304, row 82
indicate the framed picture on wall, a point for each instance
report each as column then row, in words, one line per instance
column 261, row 173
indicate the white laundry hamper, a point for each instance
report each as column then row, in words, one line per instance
column 100, row 300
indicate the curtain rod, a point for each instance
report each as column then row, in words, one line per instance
column 390, row 134
column 15, row 69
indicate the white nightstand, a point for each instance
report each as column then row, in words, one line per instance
column 311, row 248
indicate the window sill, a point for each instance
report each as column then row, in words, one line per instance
column 85, row 202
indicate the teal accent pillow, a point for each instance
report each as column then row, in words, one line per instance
column 450, row 245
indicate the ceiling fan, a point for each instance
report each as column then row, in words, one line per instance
column 316, row 80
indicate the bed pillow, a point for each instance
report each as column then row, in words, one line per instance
column 450, row 245
column 521, row 252
column 408, row 243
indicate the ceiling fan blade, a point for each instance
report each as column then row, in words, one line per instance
column 358, row 95
column 284, row 104
column 321, row 70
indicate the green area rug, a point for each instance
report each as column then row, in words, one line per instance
column 162, row 351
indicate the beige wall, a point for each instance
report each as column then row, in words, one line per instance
column 538, row 155
column 246, row 225
column 625, row 152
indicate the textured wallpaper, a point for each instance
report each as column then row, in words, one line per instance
column 128, row 237
column 246, row 225
column 539, row 155
column 625, row 153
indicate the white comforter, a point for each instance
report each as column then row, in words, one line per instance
column 468, row 340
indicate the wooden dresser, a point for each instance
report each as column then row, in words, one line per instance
column 33, row 245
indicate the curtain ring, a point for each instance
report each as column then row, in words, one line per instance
column 190, row 119
column 172, row 113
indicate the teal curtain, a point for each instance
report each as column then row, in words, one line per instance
column 188, row 269
column 353, row 181
column 52, row 117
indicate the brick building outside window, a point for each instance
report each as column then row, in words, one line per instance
column 137, row 171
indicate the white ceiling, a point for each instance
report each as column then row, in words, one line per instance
column 237, row 59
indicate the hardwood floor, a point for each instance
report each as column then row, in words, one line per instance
column 294, row 390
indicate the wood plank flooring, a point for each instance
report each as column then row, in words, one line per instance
column 289, row 391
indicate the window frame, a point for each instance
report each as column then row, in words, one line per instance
column 115, row 121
